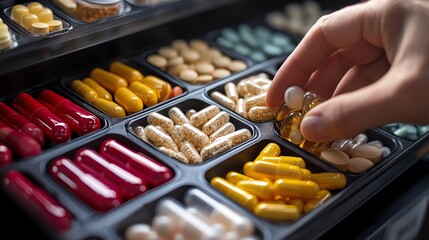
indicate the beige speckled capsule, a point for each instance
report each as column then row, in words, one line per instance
column 194, row 136
column 231, row 91
column 157, row 119
column 159, row 138
column 176, row 135
column 222, row 131
column 240, row 108
column 199, row 118
column 239, row 136
column 257, row 100
column 191, row 153
column 177, row 155
column 223, row 100
column 217, row 147
column 177, row 116
column 262, row 113
column 139, row 130
column 241, row 87
column 254, row 88
column 262, row 80
column 215, row 122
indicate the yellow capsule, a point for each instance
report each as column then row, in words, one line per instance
column 277, row 211
column 161, row 87
column 18, row 11
column 297, row 161
column 277, row 170
column 299, row 203
column 305, row 174
column 101, row 91
column 108, row 80
column 125, row 71
column 235, row 177
column 128, row 100
column 329, row 180
column 262, row 189
column 110, row 108
column 83, row 90
column 296, row 188
column 321, row 198
column 270, row 150
column 28, row 19
column 242, row 197
column 145, row 93
column 248, row 171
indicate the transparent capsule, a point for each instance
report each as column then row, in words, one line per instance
column 231, row 91
column 223, row 100
column 257, row 100
column 177, row 155
column 139, row 130
column 262, row 113
column 190, row 112
column 359, row 139
column 239, row 136
column 314, row 147
column 290, row 123
column 177, row 116
column 386, row 151
column 191, row 153
column 343, row 145
column 157, row 119
column 215, row 122
column 159, row 138
column 282, row 113
column 215, row 148
column 176, row 135
column 194, row 136
column 240, row 108
column 202, row 116
column 222, row 131
column 310, row 101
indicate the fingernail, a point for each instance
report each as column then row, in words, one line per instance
column 315, row 126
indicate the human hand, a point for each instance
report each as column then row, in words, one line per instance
column 369, row 62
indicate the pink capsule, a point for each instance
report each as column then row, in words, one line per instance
column 154, row 172
column 5, row 155
column 52, row 126
column 99, row 193
column 127, row 180
column 19, row 142
column 39, row 201
column 17, row 121
column 80, row 120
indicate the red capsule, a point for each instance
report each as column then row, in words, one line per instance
column 19, row 142
column 99, row 193
column 5, row 155
column 52, row 126
column 154, row 172
column 80, row 120
column 127, row 180
column 17, row 121
column 38, row 200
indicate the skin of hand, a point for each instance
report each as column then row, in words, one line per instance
column 369, row 61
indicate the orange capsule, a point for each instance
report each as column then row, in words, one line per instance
column 145, row 93
column 161, row 87
column 125, row 71
column 83, row 90
column 101, row 91
column 108, row 80
column 128, row 100
column 110, row 108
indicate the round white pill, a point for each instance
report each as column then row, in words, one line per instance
column 294, row 97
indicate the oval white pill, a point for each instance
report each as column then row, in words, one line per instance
column 294, row 97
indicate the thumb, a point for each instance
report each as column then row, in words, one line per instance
column 348, row 114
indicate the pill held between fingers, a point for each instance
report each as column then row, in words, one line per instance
column 294, row 97
column 336, row 158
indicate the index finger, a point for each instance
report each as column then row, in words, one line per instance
column 338, row 30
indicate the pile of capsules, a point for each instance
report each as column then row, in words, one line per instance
column 200, row 217
column 36, row 18
column 195, row 62
column 247, row 98
column 30, row 121
column 259, row 43
column 279, row 188
column 106, row 178
column 355, row 155
column 130, row 89
column 192, row 137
